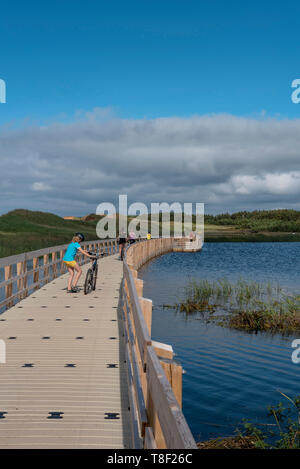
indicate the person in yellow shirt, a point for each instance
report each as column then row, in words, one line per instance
column 148, row 236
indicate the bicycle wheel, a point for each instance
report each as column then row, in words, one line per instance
column 88, row 281
column 95, row 278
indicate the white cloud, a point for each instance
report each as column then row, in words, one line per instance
column 281, row 184
column 40, row 187
column 227, row 162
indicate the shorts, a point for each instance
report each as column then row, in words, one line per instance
column 70, row 263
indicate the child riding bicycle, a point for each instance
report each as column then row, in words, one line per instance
column 72, row 265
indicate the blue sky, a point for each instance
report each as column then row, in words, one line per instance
column 148, row 59
column 166, row 101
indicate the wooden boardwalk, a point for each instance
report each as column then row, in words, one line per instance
column 64, row 383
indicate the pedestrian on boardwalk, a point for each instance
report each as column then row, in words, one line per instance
column 132, row 237
column 192, row 236
column 122, row 240
column 72, row 265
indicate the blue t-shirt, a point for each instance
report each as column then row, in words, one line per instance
column 71, row 252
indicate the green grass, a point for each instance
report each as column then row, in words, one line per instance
column 281, row 432
column 285, row 432
column 283, row 220
column 24, row 230
column 244, row 305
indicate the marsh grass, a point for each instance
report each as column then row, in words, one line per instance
column 246, row 305
column 283, row 431
column 233, row 442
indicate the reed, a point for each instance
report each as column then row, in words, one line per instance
column 246, row 305
column 281, row 432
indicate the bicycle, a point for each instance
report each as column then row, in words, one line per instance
column 91, row 275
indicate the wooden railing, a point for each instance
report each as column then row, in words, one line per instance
column 155, row 380
column 188, row 245
column 28, row 271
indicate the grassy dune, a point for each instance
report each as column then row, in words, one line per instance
column 24, row 230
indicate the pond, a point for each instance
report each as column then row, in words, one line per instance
column 229, row 375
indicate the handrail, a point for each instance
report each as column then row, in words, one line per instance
column 26, row 272
column 159, row 380
column 142, row 333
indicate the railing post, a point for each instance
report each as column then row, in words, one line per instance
column 173, row 372
column 54, row 265
column 9, row 286
column 154, row 423
column 62, row 265
column 35, row 265
column 46, row 267
column 146, row 306
column 25, row 279
column 20, row 283
column 150, row 442
column 139, row 285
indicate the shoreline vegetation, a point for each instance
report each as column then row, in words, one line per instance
column 249, row 237
column 281, row 432
column 256, row 226
column 245, row 305
column 25, row 230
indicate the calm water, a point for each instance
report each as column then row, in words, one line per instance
column 230, row 375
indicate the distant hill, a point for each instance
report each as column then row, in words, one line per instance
column 282, row 220
column 24, row 230
column 91, row 217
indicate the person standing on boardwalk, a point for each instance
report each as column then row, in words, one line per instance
column 122, row 240
column 72, row 265
column 132, row 237
column 192, row 236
